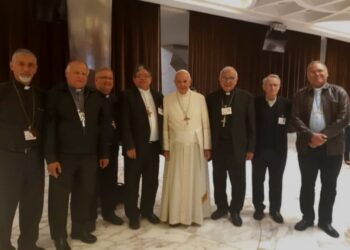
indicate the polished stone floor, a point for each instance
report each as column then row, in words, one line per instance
column 221, row 234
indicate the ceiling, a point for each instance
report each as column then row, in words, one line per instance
column 328, row 18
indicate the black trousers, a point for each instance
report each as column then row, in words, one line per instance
column 78, row 178
column 329, row 168
column 274, row 162
column 146, row 165
column 106, row 186
column 347, row 143
column 21, row 183
column 224, row 162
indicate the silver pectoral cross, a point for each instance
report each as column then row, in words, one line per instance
column 223, row 121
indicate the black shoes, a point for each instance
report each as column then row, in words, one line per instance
column 218, row 213
column 236, row 219
column 134, row 223
column 62, row 244
column 277, row 217
column 258, row 215
column 328, row 229
column 303, row 224
column 113, row 219
column 152, row 218
column 84, row 236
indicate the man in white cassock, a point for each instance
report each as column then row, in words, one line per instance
column 186, row 131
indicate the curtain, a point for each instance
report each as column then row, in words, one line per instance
column 338, row 63
column 135, row 40
column 19, row 28
column 216, row 42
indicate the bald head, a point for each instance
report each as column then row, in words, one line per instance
column 76, row 74
column 317, row 74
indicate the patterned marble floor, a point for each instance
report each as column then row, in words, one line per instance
column 221, row 234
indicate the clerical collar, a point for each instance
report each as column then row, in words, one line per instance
column 227, row 93
column 107, row 96
column 271, row 102
column 76, row 91
column 144, row 91
column 21, row 85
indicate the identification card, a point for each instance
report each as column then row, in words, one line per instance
column 28, row 136
column 160, row 111
column 282, row 120
column 226, row 111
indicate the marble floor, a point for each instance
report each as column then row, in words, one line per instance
column 221, row 234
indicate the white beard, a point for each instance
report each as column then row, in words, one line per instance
column 25, row 79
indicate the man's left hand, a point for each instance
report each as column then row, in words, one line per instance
column 207, row 154
column 103, row 162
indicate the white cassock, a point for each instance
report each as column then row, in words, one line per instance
column 185, row 195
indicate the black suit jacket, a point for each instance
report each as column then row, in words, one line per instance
column 64, row 133
column 283, row 106
column 135, row 125
column 114, row 105
column 243, row 121
column 12, row 119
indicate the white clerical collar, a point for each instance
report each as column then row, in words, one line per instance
column 144, row 91
column 271, row 102
column 26, row 87
column 184, row 95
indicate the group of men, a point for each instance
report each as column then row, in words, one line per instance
column 77, row 130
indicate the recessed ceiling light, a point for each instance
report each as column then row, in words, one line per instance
column 242, row 4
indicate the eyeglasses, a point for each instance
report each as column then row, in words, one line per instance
column 105, row 78
column 226, row 79
column 142, row 76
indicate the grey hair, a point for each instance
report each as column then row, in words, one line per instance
column 22, row 51
column 183, row 71
column 226, row 68
column 275, row 76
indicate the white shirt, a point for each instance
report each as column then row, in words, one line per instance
column 271, row 102
column 317, row 121
column 152, row 113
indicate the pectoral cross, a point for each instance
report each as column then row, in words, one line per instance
column 149, row 112
column 223, row 121
column 186, row 119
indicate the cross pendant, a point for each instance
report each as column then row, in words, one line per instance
column 186, row 119
column 223, row 121
column 149, row 113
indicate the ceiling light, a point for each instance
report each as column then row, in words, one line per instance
column 338, row 26
column 242, row 4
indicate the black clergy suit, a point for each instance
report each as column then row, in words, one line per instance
column 230, row 144
column 107, row 178
column 270, row 151
column 136, row 134
column 21, row 163
column 77, row 149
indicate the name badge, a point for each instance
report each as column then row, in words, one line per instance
column 28, row 136
column 226, row 111
column 160, row 111
column 282, row 120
